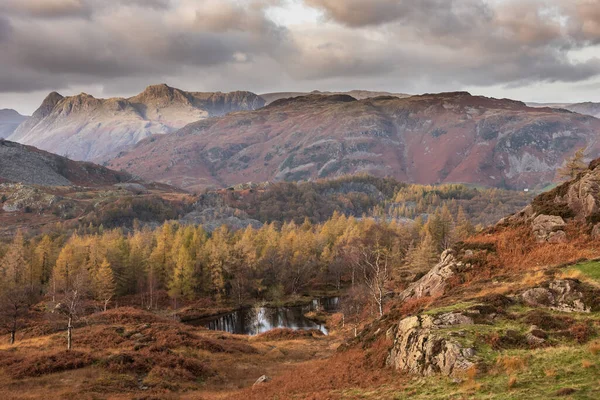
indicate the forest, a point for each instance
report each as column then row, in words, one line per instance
column 234, row 268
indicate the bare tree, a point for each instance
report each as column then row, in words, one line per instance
column 15, row 304
column 352, row 306
column 375, row 263
column 70, row 305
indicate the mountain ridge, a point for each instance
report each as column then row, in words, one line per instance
column 90, row 129
column 431, row 138
column 9, row 121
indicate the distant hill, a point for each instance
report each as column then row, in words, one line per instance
column 9, row 121
column 28, row 165
column 429, row 139
column 586, row 108
column 91, row 129
column 357, row 94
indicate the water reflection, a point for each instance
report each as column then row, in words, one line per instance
column 252, row 321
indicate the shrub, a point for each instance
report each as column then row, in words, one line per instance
column 50, row 363
column 511, row 364
column 581, row 332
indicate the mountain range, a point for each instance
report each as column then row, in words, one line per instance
column 431, row 138
column 86, row 128
column 9, row 121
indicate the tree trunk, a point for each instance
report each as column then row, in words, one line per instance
column 105, row 304
column 69, row 334
column 12, row 337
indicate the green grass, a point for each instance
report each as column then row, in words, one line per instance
column 591, row 269
column 546, row 372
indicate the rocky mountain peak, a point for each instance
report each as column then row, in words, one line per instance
column 162, row 94
column 48, row 105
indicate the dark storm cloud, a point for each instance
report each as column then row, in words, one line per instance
column 45, row 8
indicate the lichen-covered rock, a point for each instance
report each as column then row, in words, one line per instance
column 420, row 348
column 567, row 295
column 549, row 228
column 596, row 232
column 434, row 282
column 584, row 193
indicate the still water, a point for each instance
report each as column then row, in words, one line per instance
column 255, row 320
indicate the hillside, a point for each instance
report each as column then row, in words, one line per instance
column 432, row 138
column 357, row 94
column 586, row 108
column 512, row 312
column 9, row 121
column 28, row 165
column 91, row 129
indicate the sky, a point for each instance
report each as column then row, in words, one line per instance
column 531, row 50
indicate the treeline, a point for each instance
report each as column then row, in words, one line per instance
column 286, row 201
column 365, row 195
column 483, row 206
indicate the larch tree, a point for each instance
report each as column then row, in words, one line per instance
column 573, row 165
column 182, row 284
column 17, row 291
column 14, row 263
column 464, row 227
column 103, row 283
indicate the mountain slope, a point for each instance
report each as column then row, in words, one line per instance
column 9, row 121
column 357, row 94
column 433, row 138
column 87, row 128
column 586, row 108
column 28, row 165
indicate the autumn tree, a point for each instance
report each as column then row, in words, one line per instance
column 103, row 283
column 15, row 303
column 18, row 288
column 182, row 282
column 464, row 227
column 424, row 255
column 573, row 165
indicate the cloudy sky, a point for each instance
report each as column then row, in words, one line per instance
column 534, row 50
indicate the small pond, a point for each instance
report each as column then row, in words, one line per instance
column 255, row 320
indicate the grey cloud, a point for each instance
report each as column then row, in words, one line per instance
column 156, row 43
column 46, row 8
column 230, row 44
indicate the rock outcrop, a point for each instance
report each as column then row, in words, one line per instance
column 549, row 228
column 420, row 348
column 28, row 165
column 434, row 282
column 566, row 295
